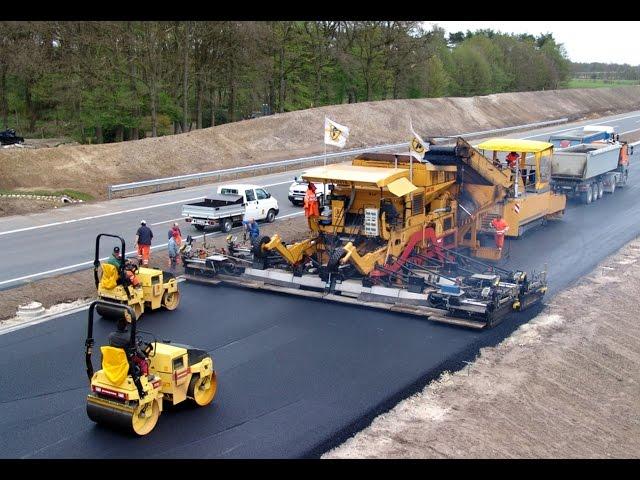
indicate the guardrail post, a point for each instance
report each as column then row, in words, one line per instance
column 109, row 192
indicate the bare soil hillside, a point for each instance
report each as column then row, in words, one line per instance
column 91, row 168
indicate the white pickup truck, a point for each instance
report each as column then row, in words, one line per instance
column 298, row 189
column 230, row 206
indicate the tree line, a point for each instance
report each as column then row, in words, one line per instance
column 114, row 81
column 611, row 71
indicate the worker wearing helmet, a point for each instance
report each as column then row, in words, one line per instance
column 501, row 228
column 311, row 209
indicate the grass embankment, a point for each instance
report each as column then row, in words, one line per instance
column 588, row 83
column 85, row 197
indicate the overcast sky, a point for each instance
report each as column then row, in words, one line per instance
column 608, row 42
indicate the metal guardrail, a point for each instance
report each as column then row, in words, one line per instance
column 296, row 161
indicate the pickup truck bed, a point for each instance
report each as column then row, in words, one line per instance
column 217, row 210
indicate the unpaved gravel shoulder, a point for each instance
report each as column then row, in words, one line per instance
column 80, row 285
column 564, row 385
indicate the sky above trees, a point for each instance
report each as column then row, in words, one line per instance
column 595, row 41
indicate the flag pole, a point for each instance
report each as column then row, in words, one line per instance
column 324, row 139
column 410, row 153
column 325, row 154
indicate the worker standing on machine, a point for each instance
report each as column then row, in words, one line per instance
column 311, row 210
column 501, row 227
column 143, row 243
column 512, row 160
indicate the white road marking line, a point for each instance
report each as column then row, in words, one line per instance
column 629, row 131
column 132, row 252
column 137, row 209
column 167, row 221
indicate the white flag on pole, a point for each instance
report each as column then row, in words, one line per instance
column 417, row 146
column 334, row 133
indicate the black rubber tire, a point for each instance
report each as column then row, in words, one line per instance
column 334, row 259
column 271, row 216
column 613, row 188
column 226, row 225
column 200, row 228
column 256, row 249
column 594, row 192
column 600, row 190
column 587, row 197
column 228, row 267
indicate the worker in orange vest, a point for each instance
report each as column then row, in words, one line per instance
column 311, row 209
column 501, row 227
column 512, row 160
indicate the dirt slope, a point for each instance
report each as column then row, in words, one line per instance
column 90, row 168
column 564, row 385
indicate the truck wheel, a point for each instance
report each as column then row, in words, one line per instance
column 594, row 192
column 200, row 228
column 271, row 216
column 600, row 189
column 613, row 187
column 227, row 225
column 587, row 196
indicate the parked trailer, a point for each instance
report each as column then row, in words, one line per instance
column 590, row 170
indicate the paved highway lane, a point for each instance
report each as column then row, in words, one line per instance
column 62, row 240
column 292, row 373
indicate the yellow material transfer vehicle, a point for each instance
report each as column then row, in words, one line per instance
column 128, row 392
column 125, row 283
column 521, row 194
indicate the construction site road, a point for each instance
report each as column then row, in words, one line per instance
column 296, row 376
column 62, row 240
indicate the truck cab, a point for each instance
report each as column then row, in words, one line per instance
column 587, row 134
column 258, row 203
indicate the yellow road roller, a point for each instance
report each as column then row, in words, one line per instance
column 124, row 282
column 136, row 377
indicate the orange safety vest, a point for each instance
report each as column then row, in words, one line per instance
column 311, row 204
column 512, row 160
column 624, row 156
column 500, row 225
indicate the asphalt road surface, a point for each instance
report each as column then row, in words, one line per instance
column 296, row 377
column 62, row 240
